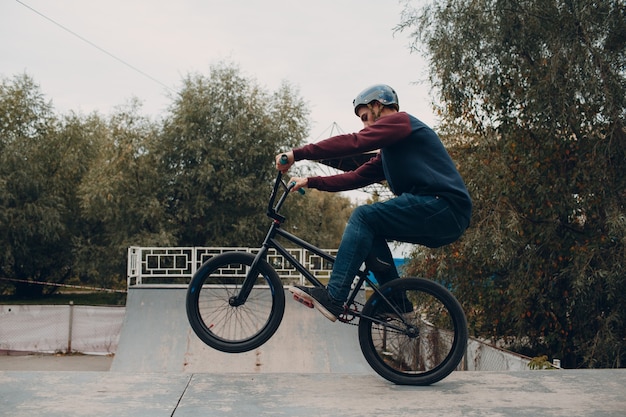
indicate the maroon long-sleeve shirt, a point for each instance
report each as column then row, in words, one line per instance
column 411, row 159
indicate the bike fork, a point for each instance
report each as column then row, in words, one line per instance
column 248, row 283
column 251, row 276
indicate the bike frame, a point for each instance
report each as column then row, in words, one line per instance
column 271, row 242
column 392, row 329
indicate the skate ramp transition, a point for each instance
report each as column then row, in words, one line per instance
column 156, row 337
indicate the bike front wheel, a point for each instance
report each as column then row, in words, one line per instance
column 226, row 325
column 418, row 341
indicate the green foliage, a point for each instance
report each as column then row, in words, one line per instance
column 37, row 175
column 540, row 362
column 77, row 190
column 118, row 196
column 217, row 151
column 318, row 217
column 534, row 98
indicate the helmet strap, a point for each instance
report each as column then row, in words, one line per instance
column 375, row 113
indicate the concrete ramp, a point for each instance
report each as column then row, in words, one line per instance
column 156, row 337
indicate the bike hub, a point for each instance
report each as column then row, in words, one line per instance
column 413, row 332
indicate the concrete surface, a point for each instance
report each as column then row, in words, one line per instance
column 312, row 367
column 45, row 363
column 156, row 337
column 597, row 393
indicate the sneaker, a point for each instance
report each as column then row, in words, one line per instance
column 319, row 297
column 302, row 295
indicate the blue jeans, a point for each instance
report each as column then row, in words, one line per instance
column 420, row 219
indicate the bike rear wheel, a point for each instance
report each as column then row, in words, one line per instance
column 222, row 324
column 421, row 346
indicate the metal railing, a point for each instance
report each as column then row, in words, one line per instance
column 176, row 265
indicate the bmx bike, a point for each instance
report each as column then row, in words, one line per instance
column 412, row 331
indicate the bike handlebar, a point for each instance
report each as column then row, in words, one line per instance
column 283, row 161
column 273, row 209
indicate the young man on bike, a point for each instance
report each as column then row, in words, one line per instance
column 431, row 207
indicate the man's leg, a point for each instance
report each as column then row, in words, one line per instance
column 410, row 218
column 380, row 261
column 355, row 245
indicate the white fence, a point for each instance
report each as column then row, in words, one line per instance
column 60, row 328
column 154, row 265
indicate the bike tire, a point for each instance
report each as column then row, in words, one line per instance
column 422, row 347
column 229, row 328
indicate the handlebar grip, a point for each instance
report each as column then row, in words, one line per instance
column 284, row 159
column 300, row 190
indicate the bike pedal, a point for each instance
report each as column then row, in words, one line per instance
column 303, row 301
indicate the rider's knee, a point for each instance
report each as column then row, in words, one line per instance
column 360, row 216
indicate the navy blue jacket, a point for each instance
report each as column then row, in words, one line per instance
column 411, row 159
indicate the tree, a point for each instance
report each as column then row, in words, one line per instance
column 217, row 152
column 318, row 217
column 40, row 169
column 533, row 100
column 119, row 195
column 77, row 190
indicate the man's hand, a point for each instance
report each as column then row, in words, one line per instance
column 281, row 165
column 300, row 183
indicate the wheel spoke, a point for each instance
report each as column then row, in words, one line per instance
column 234, row 328
column 422, row 346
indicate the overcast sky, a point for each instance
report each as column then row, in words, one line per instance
column 328, row 49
